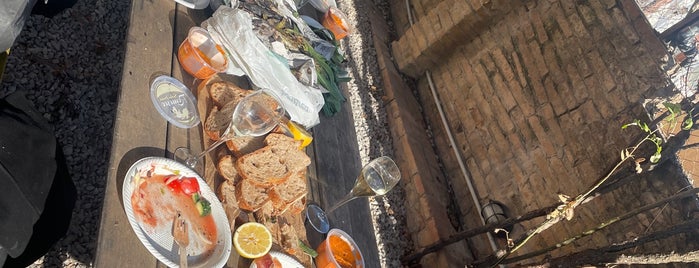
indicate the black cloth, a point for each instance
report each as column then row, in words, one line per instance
column 37, row 193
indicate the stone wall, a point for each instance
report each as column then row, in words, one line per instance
column 535, row 94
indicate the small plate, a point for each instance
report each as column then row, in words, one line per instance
column 286, row 260
column 159, row 241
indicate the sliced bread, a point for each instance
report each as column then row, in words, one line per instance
column 226, row 193
column 293, row 189
column 282, row 141
column 271, row 165
column 243, row 145
column 290, row 240
column 227, row 169
column 249, row 196
column 224, row 92
column 298, row 206
column 218, row 120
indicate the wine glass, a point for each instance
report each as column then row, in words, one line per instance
column 376, row 179
column 255, row 115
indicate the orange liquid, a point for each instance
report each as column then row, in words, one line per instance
column 335, row 24
column 338, row 250
column 195, row 62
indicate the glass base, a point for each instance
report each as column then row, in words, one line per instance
column 185, row 155
column 317, row 218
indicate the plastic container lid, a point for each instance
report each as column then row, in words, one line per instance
column 174, row 101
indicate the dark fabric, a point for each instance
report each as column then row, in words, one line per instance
column 54, row 221
column 51, row 8
column 33, row 188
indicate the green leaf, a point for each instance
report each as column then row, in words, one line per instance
column 688, row 123
column 655, row 158
column 645, row 127
column 636, row 122
column 308, row 250
column 673, row 108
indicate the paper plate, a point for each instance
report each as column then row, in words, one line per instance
column 286, row 260
column 159, row 240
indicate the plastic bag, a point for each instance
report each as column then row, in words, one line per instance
column 13, row 13
column 233, row 30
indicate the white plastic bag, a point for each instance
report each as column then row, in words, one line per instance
column 233, row 29
column 13, row 13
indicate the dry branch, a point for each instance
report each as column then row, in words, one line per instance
column 606, row 223
column 611, row 254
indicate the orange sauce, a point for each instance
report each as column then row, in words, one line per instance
column 155, row 206
column 338, row 249
column 336, row 24
column 191, row 58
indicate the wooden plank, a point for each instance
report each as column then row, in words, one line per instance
column 139, row 130
column 337, row 164
column 179, row 137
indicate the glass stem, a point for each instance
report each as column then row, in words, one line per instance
column 212, row 147
column 348, row 197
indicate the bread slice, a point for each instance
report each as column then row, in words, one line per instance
column 298, row 206
column 226, row 193
column 249, row 196
column 224, row 92
column 243, row 145
column 290, row 240
column 272, row 165
column 227, row 169
column 293, row 189
column 282, row 141
column 218, row 120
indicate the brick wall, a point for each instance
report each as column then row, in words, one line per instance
column 535, row 93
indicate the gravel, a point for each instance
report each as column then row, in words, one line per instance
column 70, row 67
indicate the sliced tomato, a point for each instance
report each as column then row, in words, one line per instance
column 189, row 185
column 173, row 183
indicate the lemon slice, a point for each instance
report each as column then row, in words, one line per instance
column 252, row 240
column 299, row 134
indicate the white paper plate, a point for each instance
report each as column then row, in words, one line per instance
column 286, row 260
column 160, row 243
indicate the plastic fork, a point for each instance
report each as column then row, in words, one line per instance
column 181, row 235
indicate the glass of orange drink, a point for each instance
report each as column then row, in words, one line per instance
column 339, row 250
column 200, row 56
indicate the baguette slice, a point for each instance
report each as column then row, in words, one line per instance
column 224, row 92
column 293, row 189
column 226, row 193
column 227, row 169
column 244, row 145
column 250, row 197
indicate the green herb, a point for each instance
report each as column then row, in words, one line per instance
column 204, row 207
column 308, row 250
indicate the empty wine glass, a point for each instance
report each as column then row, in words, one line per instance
column 376, row 179
column 255, row 115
